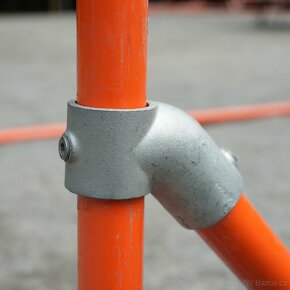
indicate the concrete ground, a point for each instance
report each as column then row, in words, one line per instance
column 195, row 61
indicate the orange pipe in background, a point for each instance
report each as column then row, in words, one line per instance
column 251, row 250
column 204, row 117
column 242, row 113
column 20, row 134
column 112, row 56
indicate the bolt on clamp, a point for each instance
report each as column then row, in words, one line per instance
column 124, row 153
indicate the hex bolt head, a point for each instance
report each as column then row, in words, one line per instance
column 64, row 148
column 230, row 156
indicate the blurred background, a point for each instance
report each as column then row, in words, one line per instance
column 201, row 55
column 63, row 5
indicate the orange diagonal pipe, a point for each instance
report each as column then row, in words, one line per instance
column 245, row 242
column 112, row 55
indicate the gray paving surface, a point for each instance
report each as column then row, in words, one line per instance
column 195, row 61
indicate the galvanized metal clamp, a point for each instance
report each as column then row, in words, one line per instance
column 123, row 154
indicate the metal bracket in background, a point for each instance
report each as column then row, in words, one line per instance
column 123, row 154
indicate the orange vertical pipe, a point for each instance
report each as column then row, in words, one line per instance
column 112, row 53
column 111, row 73
column 248, row 246
column 110, row 244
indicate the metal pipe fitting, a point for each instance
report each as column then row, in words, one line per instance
column 157, row 149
